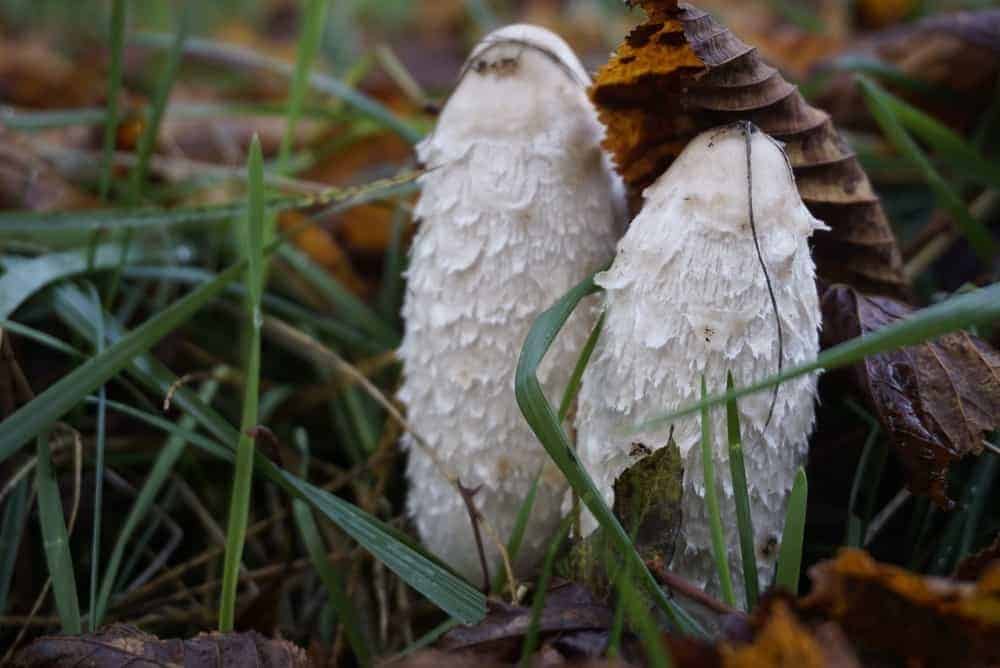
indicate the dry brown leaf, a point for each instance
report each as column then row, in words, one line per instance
column 27, row 182
column 681, row 72
column 120, row 645
column 928, row 621
column 884, row 13
column 935, row 400
column 958, row 53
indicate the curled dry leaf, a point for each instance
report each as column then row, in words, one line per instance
column 935, row 400
column 681, row 72
column 121, row 645
column 928, row 621
column 957, row 52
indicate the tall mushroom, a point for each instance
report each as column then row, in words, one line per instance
column 518, row 204
column 700, row 283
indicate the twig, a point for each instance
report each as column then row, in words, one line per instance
column 688, row 590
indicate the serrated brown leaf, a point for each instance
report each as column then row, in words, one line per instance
column 121, row 645
column 935, row 400
column 923, row 620
column 681, row 72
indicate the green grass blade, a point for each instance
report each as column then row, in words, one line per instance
column 793, row 537
column 314, row 20
column 117, row 46
column 40, row 413
column 741, row 499
column 712, row 502
column 890, row 73
column 855, row 532
column 979, row 492
column 11, row 531
column 309, row 532
column 319, row 82
column 960, row 154
column 99, row 445
column 978, row 235
column 573, row 386
column 147, row 142
column 24, row 278
column 40, row 337
column 396, row 550
column 390, row 297
column 650, row 634
column 350, row 308
column 979, row 307
column 544, row 422
column 157, row 478
column 542, row 587
column 239, row 504
column 57, row 554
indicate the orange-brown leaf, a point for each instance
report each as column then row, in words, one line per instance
column 783, row 641
column 930, row 621
column 681, row 72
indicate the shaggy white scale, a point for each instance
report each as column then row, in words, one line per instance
column 686, row 296
column 517, row 206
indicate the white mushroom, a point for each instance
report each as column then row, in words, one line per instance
column 687, row 295
column 517, row 206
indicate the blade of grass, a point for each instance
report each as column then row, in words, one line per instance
column 546, row 426
column 793, row 537
column 397, row 551
column 978, row 235
column 542, row 587
column 23, row 278
column 151, row 130
column 855, row 523
column 390, row 294
column 57, row 554
column 245, row 57
column 309, row 532
column 960, row 154
column 157, row 478
column 573, row 386
column 741, row 499
column 983, row 479
column 712, row 503
column 117, row 46
column 40, row 225
column 11, row 530
column 650, row 634
column 351, row 309
column 314, row 20
column 99, row 444
column 979, row 307
column 40, row 337
column 239, row 505
column 41, row 412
